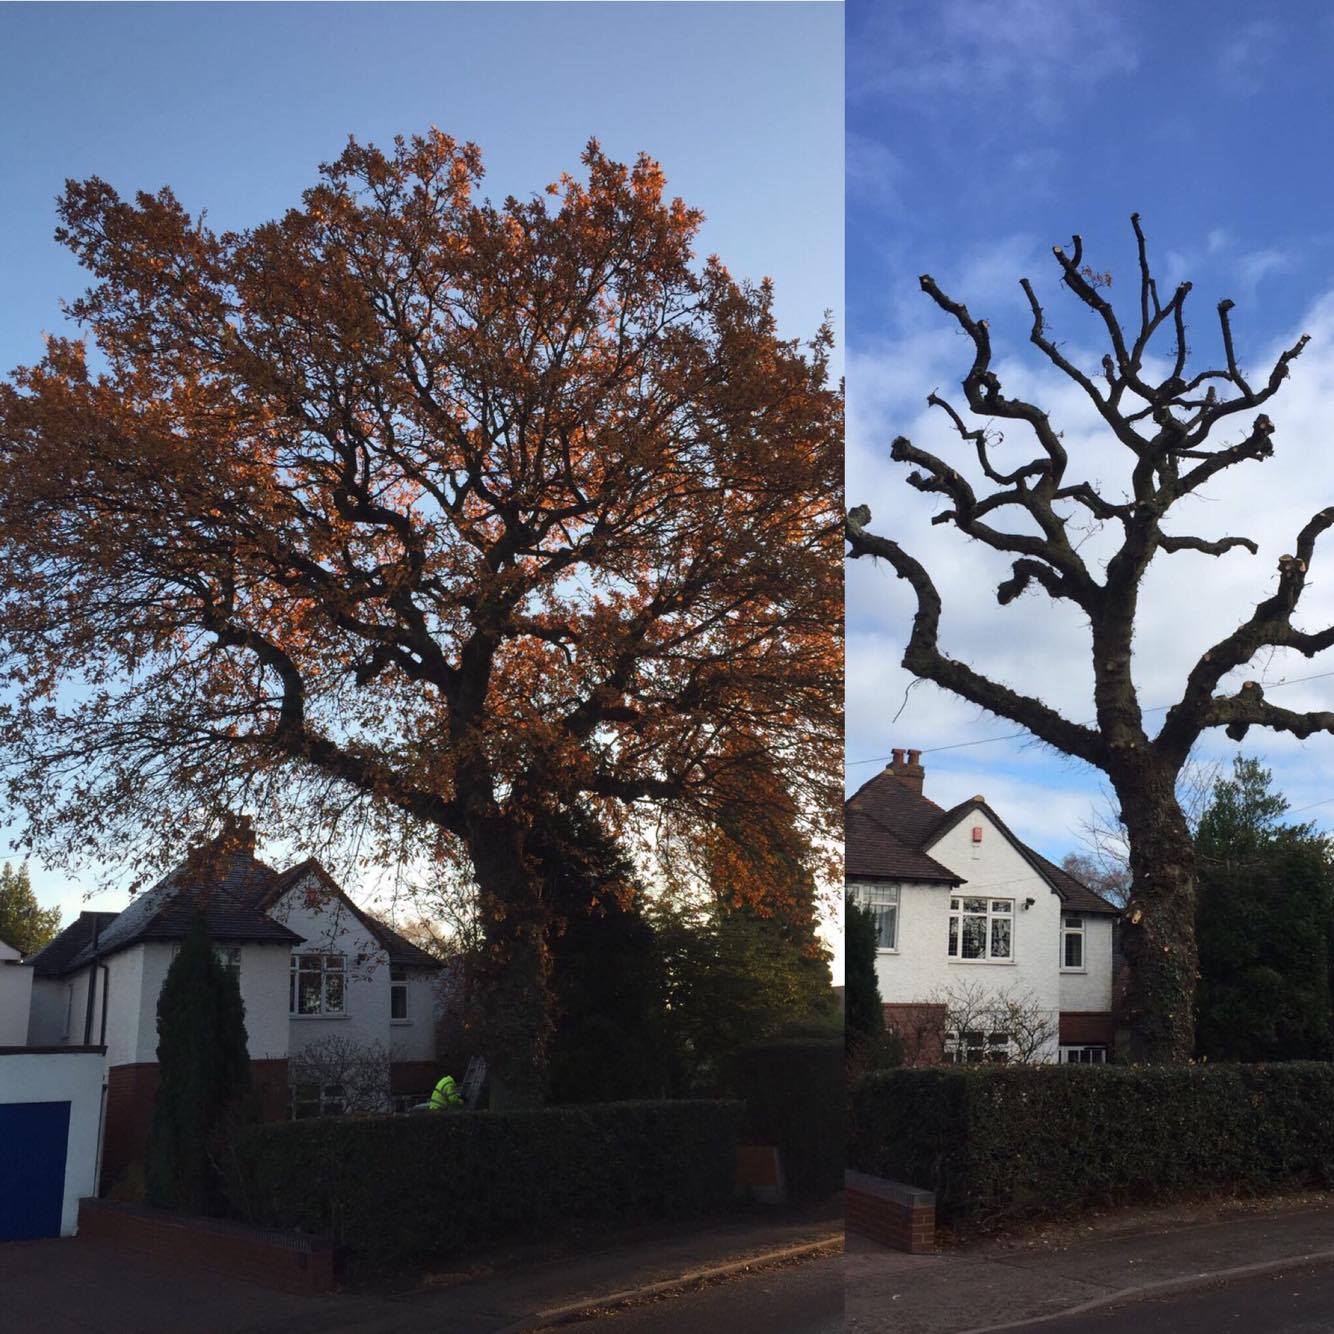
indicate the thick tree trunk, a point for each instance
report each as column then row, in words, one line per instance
column 1158, row 925
column 515, row 998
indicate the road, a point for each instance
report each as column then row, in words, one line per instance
column 801, row 1298
column 1297, row 1302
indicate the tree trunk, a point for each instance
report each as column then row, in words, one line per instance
column 515, row 997
column 1158, row 924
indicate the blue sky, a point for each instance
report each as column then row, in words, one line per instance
column 978, row 137
column 234, row 107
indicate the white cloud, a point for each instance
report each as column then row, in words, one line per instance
column 1023, row 51
column 1188, row 600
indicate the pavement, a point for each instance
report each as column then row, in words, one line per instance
column 71, row 1286
column 1028, row 1283
column 795, row 1297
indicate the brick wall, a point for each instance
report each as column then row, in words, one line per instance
column 261, row 1255
column 921, row 1027
column 1085, row 1028
column 129, row 1110
column 900, row 1217
column 418, row 1076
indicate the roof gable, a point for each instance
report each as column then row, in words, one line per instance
column 400, row 950
column 1070, row 890
column 890, row 830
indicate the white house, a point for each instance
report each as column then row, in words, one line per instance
column 15, row 997
column 972, row 924
column 311, row 965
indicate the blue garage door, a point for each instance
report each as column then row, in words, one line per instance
column 33, row 1139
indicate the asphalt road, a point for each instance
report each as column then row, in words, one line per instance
column 1297, row 1302
column 801, row 1298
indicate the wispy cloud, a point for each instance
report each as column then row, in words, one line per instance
column 1247, row 56
column 873, row 172
column 1025, row 51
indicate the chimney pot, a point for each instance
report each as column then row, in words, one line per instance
column 914, row 757
column 909, row 770
column 898, row 758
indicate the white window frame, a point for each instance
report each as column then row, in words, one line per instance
column 398, row 985
column 327, row 1099
column 978, row 1048
column 330, row 966
column 1072, row 928
column 992, row 915
column 1088, row 1053
column 882, row 902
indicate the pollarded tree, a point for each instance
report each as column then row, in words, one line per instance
column 1168, row 428
column 425, row 509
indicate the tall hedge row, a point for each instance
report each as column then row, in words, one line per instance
column 395, row 1192
column 794, row 1093
column 1026, row 1141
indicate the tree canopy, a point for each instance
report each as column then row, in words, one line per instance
column 407, row 513
column 24, row 923
column 1266, row 892
column 1171, row 420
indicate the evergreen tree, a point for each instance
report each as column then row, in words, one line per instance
column 203, row 1075
column 1263, row 924
column 24, row 923
column 863, row 1015
column 606, row 973
column 733, row 978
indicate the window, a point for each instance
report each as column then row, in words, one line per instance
column 317, row 984
column 316, row 1100
column 1083, row 1055
column 973, row 1048
column 882, row 902
column 398, row 993
column 1072, row 942
column 981, row 928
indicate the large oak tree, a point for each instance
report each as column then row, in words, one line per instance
column 1169, row 419
column 416, row 514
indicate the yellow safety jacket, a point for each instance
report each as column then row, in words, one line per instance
column 446, row 1095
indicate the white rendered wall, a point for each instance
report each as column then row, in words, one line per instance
column 15, row 1003
column 46, row 1018
column 328, row 926
column 75, row 1077
column 414, row 1039
column 1091, row 989
column 921, row 969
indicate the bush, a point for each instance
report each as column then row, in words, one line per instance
column 396, row 1192
column 793, row 1089
column 1022, row 1142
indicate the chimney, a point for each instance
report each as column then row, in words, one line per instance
column 909, row 771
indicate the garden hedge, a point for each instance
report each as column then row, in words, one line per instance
column 396, row 1192
column 794, row 1093
column 1028, row 1141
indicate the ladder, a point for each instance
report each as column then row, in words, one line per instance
column 473, row 1079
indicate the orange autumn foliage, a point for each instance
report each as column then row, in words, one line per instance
column 420, row 511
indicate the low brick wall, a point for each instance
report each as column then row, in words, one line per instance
column 262, row 1255
column 898, row 1216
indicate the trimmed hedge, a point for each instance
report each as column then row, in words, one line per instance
column 395, row 1192
column 1027, row 1141
column 794, row 1093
